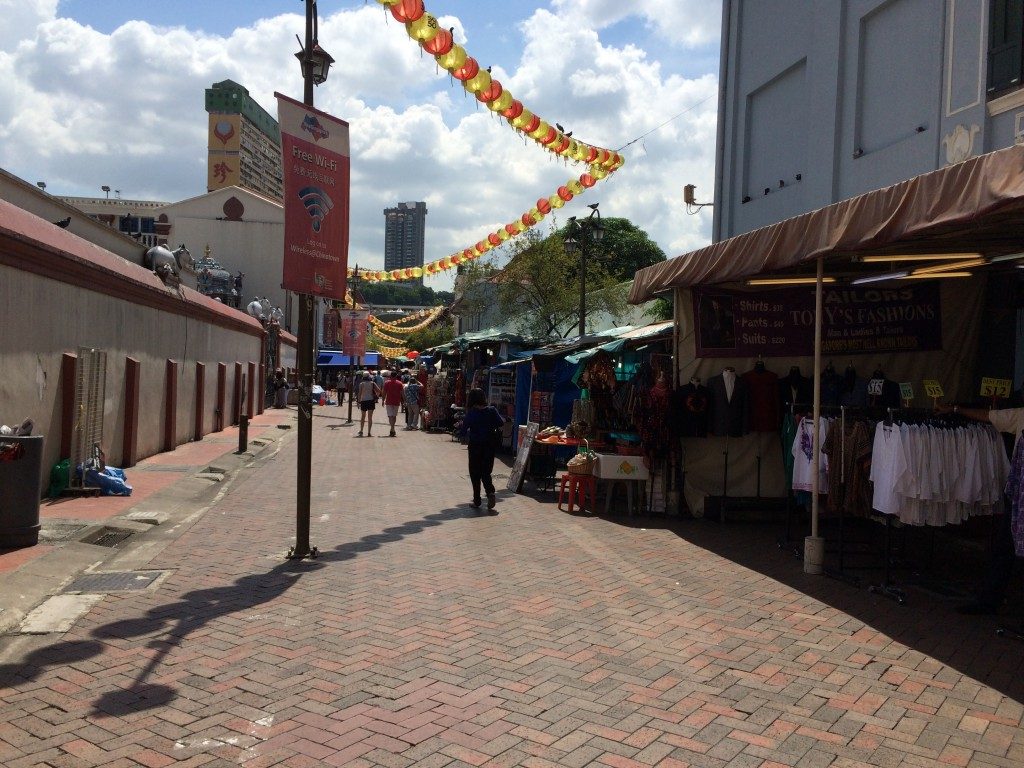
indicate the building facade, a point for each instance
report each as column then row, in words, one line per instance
column 244, row 146
column 136, row 219
column 404, row 236
column 821, row 101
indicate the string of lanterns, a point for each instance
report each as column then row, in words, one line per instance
column 438, row 42
column 431, row 317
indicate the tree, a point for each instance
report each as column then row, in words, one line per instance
column 433, row 335
column 538, row 290
column 625, row 246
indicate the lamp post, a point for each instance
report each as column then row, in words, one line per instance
column 595, row 231
column 315, row 64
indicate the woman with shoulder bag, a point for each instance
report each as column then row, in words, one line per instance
column 368, row 393
column 480, row 427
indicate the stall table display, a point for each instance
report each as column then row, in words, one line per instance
column 613, row 469
column 543, row 462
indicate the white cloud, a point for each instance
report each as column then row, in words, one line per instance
column 79, row 108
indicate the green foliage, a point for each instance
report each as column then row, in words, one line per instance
column 539, row 288
column 661, row 309
column 625, row 247
column 432, row 336
column 400, row 293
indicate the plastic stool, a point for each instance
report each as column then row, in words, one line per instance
column 580, row 486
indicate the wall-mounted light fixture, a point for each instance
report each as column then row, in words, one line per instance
column 935, row 275
column 883, row 259
column 950, row 267
column 793, row 280
column 879, row 278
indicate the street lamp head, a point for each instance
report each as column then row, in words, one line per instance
column 597, row 231
column 572, row 246
column 319, row 62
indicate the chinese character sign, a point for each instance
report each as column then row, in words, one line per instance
column 353, row 331
column 315, row 164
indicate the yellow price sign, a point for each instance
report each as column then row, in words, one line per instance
column 995, row 387
column 932, row 388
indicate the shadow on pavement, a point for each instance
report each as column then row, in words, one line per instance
column 168, row 625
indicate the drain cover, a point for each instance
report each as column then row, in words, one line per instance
column 107, row 537
column 115, row 581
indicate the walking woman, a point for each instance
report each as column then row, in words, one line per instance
column 368, row 394
column 481, row 426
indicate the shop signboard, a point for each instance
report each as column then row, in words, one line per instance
column 780, row 323
column 315, row 166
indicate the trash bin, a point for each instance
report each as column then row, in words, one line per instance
column 19, row 493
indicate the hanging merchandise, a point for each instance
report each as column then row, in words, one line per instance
column 423, row 27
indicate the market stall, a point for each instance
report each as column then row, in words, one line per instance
column 888, row 289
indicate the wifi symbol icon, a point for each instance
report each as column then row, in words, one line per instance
column 317, row 203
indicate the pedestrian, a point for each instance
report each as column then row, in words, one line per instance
column 392, row 399
column 368, row 394
column 413, row 393
column 280, row 390
column 378, row 380
column 343, row 382
column 481, row 426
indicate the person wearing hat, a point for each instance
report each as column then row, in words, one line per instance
column 367, row 392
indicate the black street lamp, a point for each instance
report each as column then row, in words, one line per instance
column 315, row 64
column 594, row 229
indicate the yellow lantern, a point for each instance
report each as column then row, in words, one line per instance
column 519, row 225
column 536, row 214
column 503, row 234
column 541, row 131
column 423, row 29
column 501, row 103
column 479, row 81
column 556, row 201
column 454, row 59
column 575, row 187
column 417, row 271
column 598, row 172
column 524, row 117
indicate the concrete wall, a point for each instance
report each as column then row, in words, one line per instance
column 850, row 97
column 44, row 318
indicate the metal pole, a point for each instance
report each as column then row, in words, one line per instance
column 306, row 320
column 814, row 546
column 583, row 284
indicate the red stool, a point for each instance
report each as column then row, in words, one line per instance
column 580, row 487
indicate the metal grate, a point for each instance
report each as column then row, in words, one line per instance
column 90, row 393
column 115, row 581
column 107, row 537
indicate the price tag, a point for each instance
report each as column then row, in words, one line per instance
column 906, row 390
column 995, row 387
column 932, row 388
column 875, row 386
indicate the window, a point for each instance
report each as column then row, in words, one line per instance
column 1005, row 38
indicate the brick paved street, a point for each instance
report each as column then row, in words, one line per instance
column 428, row 635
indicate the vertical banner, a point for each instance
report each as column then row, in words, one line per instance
column 330, row 333
column 315, row 165
column 353, row 331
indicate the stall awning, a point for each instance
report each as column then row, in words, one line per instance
column 337, row 359
column 973, row 206
column 651, row 331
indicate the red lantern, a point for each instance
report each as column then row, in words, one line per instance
column 591, row 155
column 604, row 157
column 565, row 193
column 481, row 248
column 514, row 110
column 528, row 220
column 494, row 240
column 407, row 10
column 544, row 206
column 549, row 137
column 512, row 229
column 467, row 71
column 469, row 253
column 532, row 126
column 412, row 354
column 564, row 145
column 408, row 274
column 441, row 44
column 455, row 259
column 491, row 92
column 587, row 180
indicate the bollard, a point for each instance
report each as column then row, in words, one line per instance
column 243, row 433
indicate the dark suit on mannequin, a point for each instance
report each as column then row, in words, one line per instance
column 730, row 416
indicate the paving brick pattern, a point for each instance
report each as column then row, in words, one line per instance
column 427, row 635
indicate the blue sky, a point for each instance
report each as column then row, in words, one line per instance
column 126, row 106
